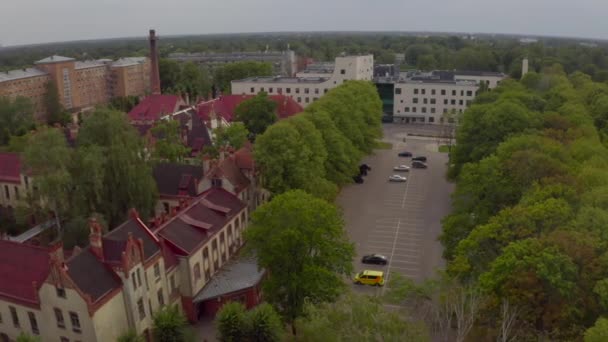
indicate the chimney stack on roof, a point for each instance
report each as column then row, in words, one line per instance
column 95, row 238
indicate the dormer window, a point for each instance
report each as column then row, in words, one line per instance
column 216, row 182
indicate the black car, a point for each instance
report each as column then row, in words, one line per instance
column 365, row 167
column 420, row 158
column 416, row 164
column 358, row 179
column 374, row 259
column 405, row 154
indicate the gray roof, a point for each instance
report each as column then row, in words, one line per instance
column 128, row 61
column 235, row 276
column 89, row 64
column 478, row 73
column 20, row 74
column 287, row 80
column 54, row 59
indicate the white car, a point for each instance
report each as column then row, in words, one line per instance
column 396, row 178
column 404, row 168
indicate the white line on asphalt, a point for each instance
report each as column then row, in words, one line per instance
column 412, row 256
column 404, row 268
column 405, row 262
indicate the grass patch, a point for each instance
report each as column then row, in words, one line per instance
column 444, row 148
column 383, row 145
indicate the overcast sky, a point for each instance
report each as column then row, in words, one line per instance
column 39, row 21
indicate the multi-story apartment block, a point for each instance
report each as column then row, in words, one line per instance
column 81, row 85
column 122, row 278
column 305, row 90
column 432, row 97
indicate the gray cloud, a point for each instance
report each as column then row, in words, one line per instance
column 37, row 21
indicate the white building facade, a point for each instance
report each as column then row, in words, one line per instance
column 305, row 90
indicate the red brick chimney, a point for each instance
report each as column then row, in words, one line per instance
column 154, row 73
column 95, row 238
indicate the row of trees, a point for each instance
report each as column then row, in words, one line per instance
column 187, row 78
column 107, row 173
column 530, row 210
column 319, row 150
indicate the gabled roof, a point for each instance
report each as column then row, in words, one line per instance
column 154, row 106
column 244, row 157
column 173, row 179
column 23, row 269
column 54, row 59
column 235, row 276
column 193, row 226
column 225, row 106
column 120, row 235
column 198, row 136
column 91, row 276
column 10, row 167
column 229, row 169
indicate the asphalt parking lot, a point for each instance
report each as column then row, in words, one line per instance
column 399, row 220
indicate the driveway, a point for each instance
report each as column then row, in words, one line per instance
column 399, row 220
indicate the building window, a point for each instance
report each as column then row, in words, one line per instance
column 134, row 280
column 157, row 271
column 453, row 102
column 7, row 193
column 1, row 321
column 33, row 323
column 460, row 102
column 445, row 110
column 415, row 91
column 64, row 339
column 197, row 271
column 415, row 100
column 307, row 100
column 60, row 292
column 306, row 90
column 469, row 93
column 413, row 109
column 252, row 90
column 432, row 91
column 462, row 93
column 316, row 90
column 433, row 101
column 468, row 102
column 406, row 110
column 423, row 91
column 141, row 309
column 216, row 182
column 75, row 322
column 445, row 101
column 398, row 91
column 172, row 282
column 442, row 91
column 453, row 92
column 270, row 90
column 138, row 277
column 342, row 71
column 326, row 90
column 161, row 299
column 424, row 109
column 431, row 119
column 299, row 99
column 288, row 90
column 433, row 110
column 261, row 89
column 425, row 100
column 14, row 316
column 59, row 318
column 297, row 90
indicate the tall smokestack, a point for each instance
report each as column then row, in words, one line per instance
column 524, row 67
column 154, row 73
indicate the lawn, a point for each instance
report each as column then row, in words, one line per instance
column 383, row 145
column 444, row 148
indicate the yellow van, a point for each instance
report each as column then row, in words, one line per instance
column 370, row 278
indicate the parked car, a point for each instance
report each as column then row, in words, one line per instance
column 405, row 154
column 396, row 178
column 367, row 277
column 358, row 179
column 420, row 158
column 403, row 168
column 416, row 164
column 365, row 167
column 374, row 259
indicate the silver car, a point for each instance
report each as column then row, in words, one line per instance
column 403, row 168
column 397, row 178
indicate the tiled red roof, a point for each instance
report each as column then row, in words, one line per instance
column 193, row 226
column 233, row 173
column 154, row 106
column 22, row 266
column 244, row 157
column 10, row 167
column 225, row 106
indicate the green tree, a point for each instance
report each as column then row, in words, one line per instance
column 234, row 135
column 239, row 70
column 193, row 81
column 265, row 324
column 311, row 232
column 357, row 318
column 130, row 336
column 169, row 325
column 169, row 144
column 170, row 73
column 54, row 109
column 598, row 332
column 127, row 175
column 426, row 62
column 48, row 158
column 16, row 117
column 257, row 113
column 23, row 337
column 232, row 322
column 124, row 104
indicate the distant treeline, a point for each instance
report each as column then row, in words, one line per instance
column 486, row 53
